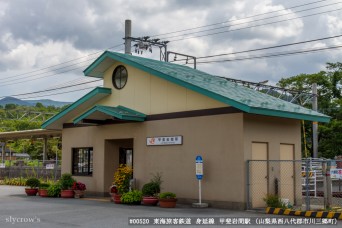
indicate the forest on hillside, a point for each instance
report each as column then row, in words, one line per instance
column 18, row 118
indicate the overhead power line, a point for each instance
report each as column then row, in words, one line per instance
column 276, row 54
column 253, row 26
column 265, row 48
column 255, row 15
column 64, row 92
column 47, row 90
column 46, row 76
column 68, row 61
column 247, row 22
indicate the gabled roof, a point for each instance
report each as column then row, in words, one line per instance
column 88, row 100
column 243, row 98
column 119, row 112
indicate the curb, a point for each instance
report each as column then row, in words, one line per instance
column 311, row 214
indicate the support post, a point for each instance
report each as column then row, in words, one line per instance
column 3, row 144
column 128, row 35
column 200, row 191
column 329, row 186
column 45, row 148
column 324, row 173
column 307, row 191
column 315, row 123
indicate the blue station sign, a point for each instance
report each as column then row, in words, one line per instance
column 199, row 167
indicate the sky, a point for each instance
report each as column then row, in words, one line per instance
column 46, row 44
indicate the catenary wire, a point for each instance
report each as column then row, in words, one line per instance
column 277, row 54
column 265, row 48
column 253, row 26
column 256, row 15
column 261, row 19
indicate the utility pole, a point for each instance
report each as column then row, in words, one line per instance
column 315, row 123
column 128, row 34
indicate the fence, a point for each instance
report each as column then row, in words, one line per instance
column 50, row 169
column 304, row 184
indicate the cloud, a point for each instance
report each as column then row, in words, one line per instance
column 39, row 33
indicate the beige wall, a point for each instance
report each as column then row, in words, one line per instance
column 217, row 138
column 224, row 141
column 274, row 131
column 152, row 95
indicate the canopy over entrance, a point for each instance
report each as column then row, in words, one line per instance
column 101, row 114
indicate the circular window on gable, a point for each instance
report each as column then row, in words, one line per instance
column 119, row 77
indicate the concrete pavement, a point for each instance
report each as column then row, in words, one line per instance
column 18, row 210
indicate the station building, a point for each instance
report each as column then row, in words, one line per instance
column 158, row 116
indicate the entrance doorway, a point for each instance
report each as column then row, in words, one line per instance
column 117, row 151
column 126, row 156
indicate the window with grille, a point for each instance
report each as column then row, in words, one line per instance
column 82, row 161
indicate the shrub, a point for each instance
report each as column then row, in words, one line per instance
column 66, row 181
column 151, row 189
column 33, row 182
column 274, row 201
column 133, row 197
column 167, row 195
column 44, row 186
column 121, row 178
column 54, row 190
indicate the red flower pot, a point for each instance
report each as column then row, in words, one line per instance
column 167, row 203
column 43, row 192
column 31, row 191
column 67, row 193
column 150, row 200
column 117, row 198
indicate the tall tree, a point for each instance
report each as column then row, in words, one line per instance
column 329, row 88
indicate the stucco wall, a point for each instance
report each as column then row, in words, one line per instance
column 224, row 141
column 149, row 94
column 218, row 138
column 275, row 132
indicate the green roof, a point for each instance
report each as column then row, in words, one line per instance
column 81, row 104
column 119, row 112
column 230, row 93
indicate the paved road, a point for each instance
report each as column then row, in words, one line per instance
column 18, row 210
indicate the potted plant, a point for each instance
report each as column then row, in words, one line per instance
column 33, row 183
column 112, row 192
column 79, row 189
column 151, row 190
column 167, row 199
column 121, row 180
column 43, row 189
column 132, row 197
column 66, row 183
column 54, row 190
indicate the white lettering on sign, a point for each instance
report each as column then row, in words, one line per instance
column 2, row 165
column 50, row 166
column 164, row 140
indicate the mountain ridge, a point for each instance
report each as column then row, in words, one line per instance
column 45, row 102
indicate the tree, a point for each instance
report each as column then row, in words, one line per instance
column 39, row 105
column 33, row 147
column 329, row 102
column 10, row 106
